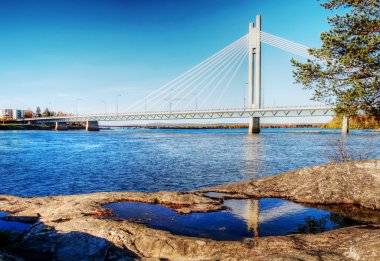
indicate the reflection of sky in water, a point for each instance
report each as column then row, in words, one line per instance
column 39, row 163
column 244, row 218
column 269, row 211
column 11, row 225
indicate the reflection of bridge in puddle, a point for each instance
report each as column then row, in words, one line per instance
column 274, row 217
column 250, row 212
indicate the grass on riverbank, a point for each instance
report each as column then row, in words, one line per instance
column 358, row 122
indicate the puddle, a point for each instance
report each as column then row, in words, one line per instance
column 12, row 225
column 244, row 218
column 215, row 194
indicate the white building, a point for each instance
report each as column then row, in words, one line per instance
column 18, row 114
column 12, row 114
column 6, row 114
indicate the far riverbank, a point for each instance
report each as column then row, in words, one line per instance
column 14, row 126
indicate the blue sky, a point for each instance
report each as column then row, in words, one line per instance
column 62, row 53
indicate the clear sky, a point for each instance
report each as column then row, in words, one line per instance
column 62, row 53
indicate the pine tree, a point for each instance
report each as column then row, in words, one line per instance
column 346, row 71
column 38, row 112
column 46, row 113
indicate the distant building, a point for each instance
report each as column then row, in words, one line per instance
column 6, row 114
column 12, row 114
column 18, row 114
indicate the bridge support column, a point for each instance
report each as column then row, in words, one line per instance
column 92, row 126
column 345, row 125
column 60, row 126
column 254, row 125
column 254, row 72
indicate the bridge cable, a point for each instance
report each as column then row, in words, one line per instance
column 286, row 48
column 286, row 45
column 216, row 70
column 233, row 76
column 191, row 71
column 238, row 61
column 242, row 49
column 198, row 76
column 220, row 69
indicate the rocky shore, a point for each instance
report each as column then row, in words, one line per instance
column 355, row 183
column 76, row 227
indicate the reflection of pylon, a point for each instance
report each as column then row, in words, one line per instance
column 253, row 209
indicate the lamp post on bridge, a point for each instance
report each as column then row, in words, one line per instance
column 117, row 103
column 170, row 100
column 244, row 94
column 196, row 101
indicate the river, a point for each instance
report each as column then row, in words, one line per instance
column 41, row 163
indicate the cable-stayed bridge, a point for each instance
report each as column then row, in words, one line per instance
column 207, row 81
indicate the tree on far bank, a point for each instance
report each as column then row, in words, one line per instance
column 28, row 113
column 46, row 113
column 346, row 71
column 60, row 113
column 38, row 112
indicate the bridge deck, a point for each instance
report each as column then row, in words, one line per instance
column 204, row 114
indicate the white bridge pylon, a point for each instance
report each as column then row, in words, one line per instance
column 254, row 72
column 192, row 89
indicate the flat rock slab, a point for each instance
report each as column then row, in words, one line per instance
column 355, row 183
column 74, row 228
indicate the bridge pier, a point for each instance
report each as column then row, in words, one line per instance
column 254, row 72
column 345, row 125
column 92, row 126
column 60, row 126
column 254, row 125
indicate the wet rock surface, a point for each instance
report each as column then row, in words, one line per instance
column 345, row 183
column 73, row 227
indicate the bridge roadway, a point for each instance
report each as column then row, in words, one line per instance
column 201, row 114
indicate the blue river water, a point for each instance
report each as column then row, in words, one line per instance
column 12, row 225
column 40, row 163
